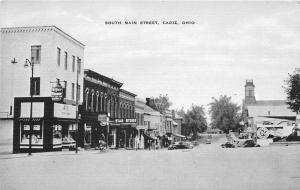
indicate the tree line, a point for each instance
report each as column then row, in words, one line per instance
column 224, row 113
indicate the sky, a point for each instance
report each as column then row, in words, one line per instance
column 229, row 43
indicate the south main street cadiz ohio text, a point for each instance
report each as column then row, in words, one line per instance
column 147, row 22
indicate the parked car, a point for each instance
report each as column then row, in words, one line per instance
column 181, row 145
column 250, row 143
column 227, row 145
column 68, row 142
column 208, row 141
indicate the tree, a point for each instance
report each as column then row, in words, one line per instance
column 194, row 120
column 224, row 114
column 162, row 103
column 292, row 90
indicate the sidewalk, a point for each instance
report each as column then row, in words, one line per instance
column 10, row 155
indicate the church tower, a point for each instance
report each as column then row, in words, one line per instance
column 249, row 92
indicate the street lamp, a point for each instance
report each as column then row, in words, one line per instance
column 77, row 93
column 31, row 64
column 108, row 115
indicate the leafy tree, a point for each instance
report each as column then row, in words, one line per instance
column 292, row 90
column 162, row 103
column 224, row 114
column 194, row 120
column 181, row 112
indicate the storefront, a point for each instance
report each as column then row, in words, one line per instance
column 92, row 128
column 53, row 125
column 122, row 133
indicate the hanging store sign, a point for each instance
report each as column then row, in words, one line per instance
column 57, row 92
column 102, row 118
column 64, row 111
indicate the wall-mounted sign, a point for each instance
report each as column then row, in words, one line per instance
column 130, row 120
column 119, row 121
column 57, row 92
column 124, row 121
column 64, row 111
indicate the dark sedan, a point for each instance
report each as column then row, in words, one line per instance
column 180, row 145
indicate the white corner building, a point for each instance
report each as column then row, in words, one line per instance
column 55, row 56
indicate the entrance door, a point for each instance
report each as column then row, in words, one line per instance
column 87, row 135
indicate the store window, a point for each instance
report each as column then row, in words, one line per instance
column 37, row 133
column 57, row 136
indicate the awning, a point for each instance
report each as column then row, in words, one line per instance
column 28, row 119
column 178, row 135
column 174, row 123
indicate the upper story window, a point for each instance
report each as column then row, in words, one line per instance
column 73, row 91
column 73, row 63
column 36, row 54
column 78, row 65
column 78, row 93
column 58, row 56
column 35, row 86
column 66, row 60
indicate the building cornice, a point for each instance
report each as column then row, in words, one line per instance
column 41, row 29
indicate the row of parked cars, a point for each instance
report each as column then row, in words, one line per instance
column 243, row 144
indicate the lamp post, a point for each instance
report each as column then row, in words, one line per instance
column 31, row 64
column 76, row 141
column 108, row 115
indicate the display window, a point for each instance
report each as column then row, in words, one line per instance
column 64, row 135
column 36, row 135
column 57, row 136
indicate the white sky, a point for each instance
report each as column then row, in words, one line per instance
column 230, row 42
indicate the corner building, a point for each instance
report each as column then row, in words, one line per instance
column 57, row 59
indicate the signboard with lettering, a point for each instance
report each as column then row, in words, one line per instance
column 130, row 121
column 57, row 92
column 64, row 111
column 102, row 118
column 119, row 120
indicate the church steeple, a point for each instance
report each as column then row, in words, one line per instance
column 249, row 92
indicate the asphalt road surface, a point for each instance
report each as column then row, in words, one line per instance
column 204, row 167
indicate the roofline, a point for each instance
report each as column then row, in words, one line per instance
column 130, row 93
column 111, row 79
column 52, row 26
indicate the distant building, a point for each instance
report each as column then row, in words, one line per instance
column 177, row 126
column 141, row 125
column 127, row 130
column 213, row 131
column 257, row 111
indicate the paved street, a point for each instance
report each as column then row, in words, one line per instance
column 204, row 167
